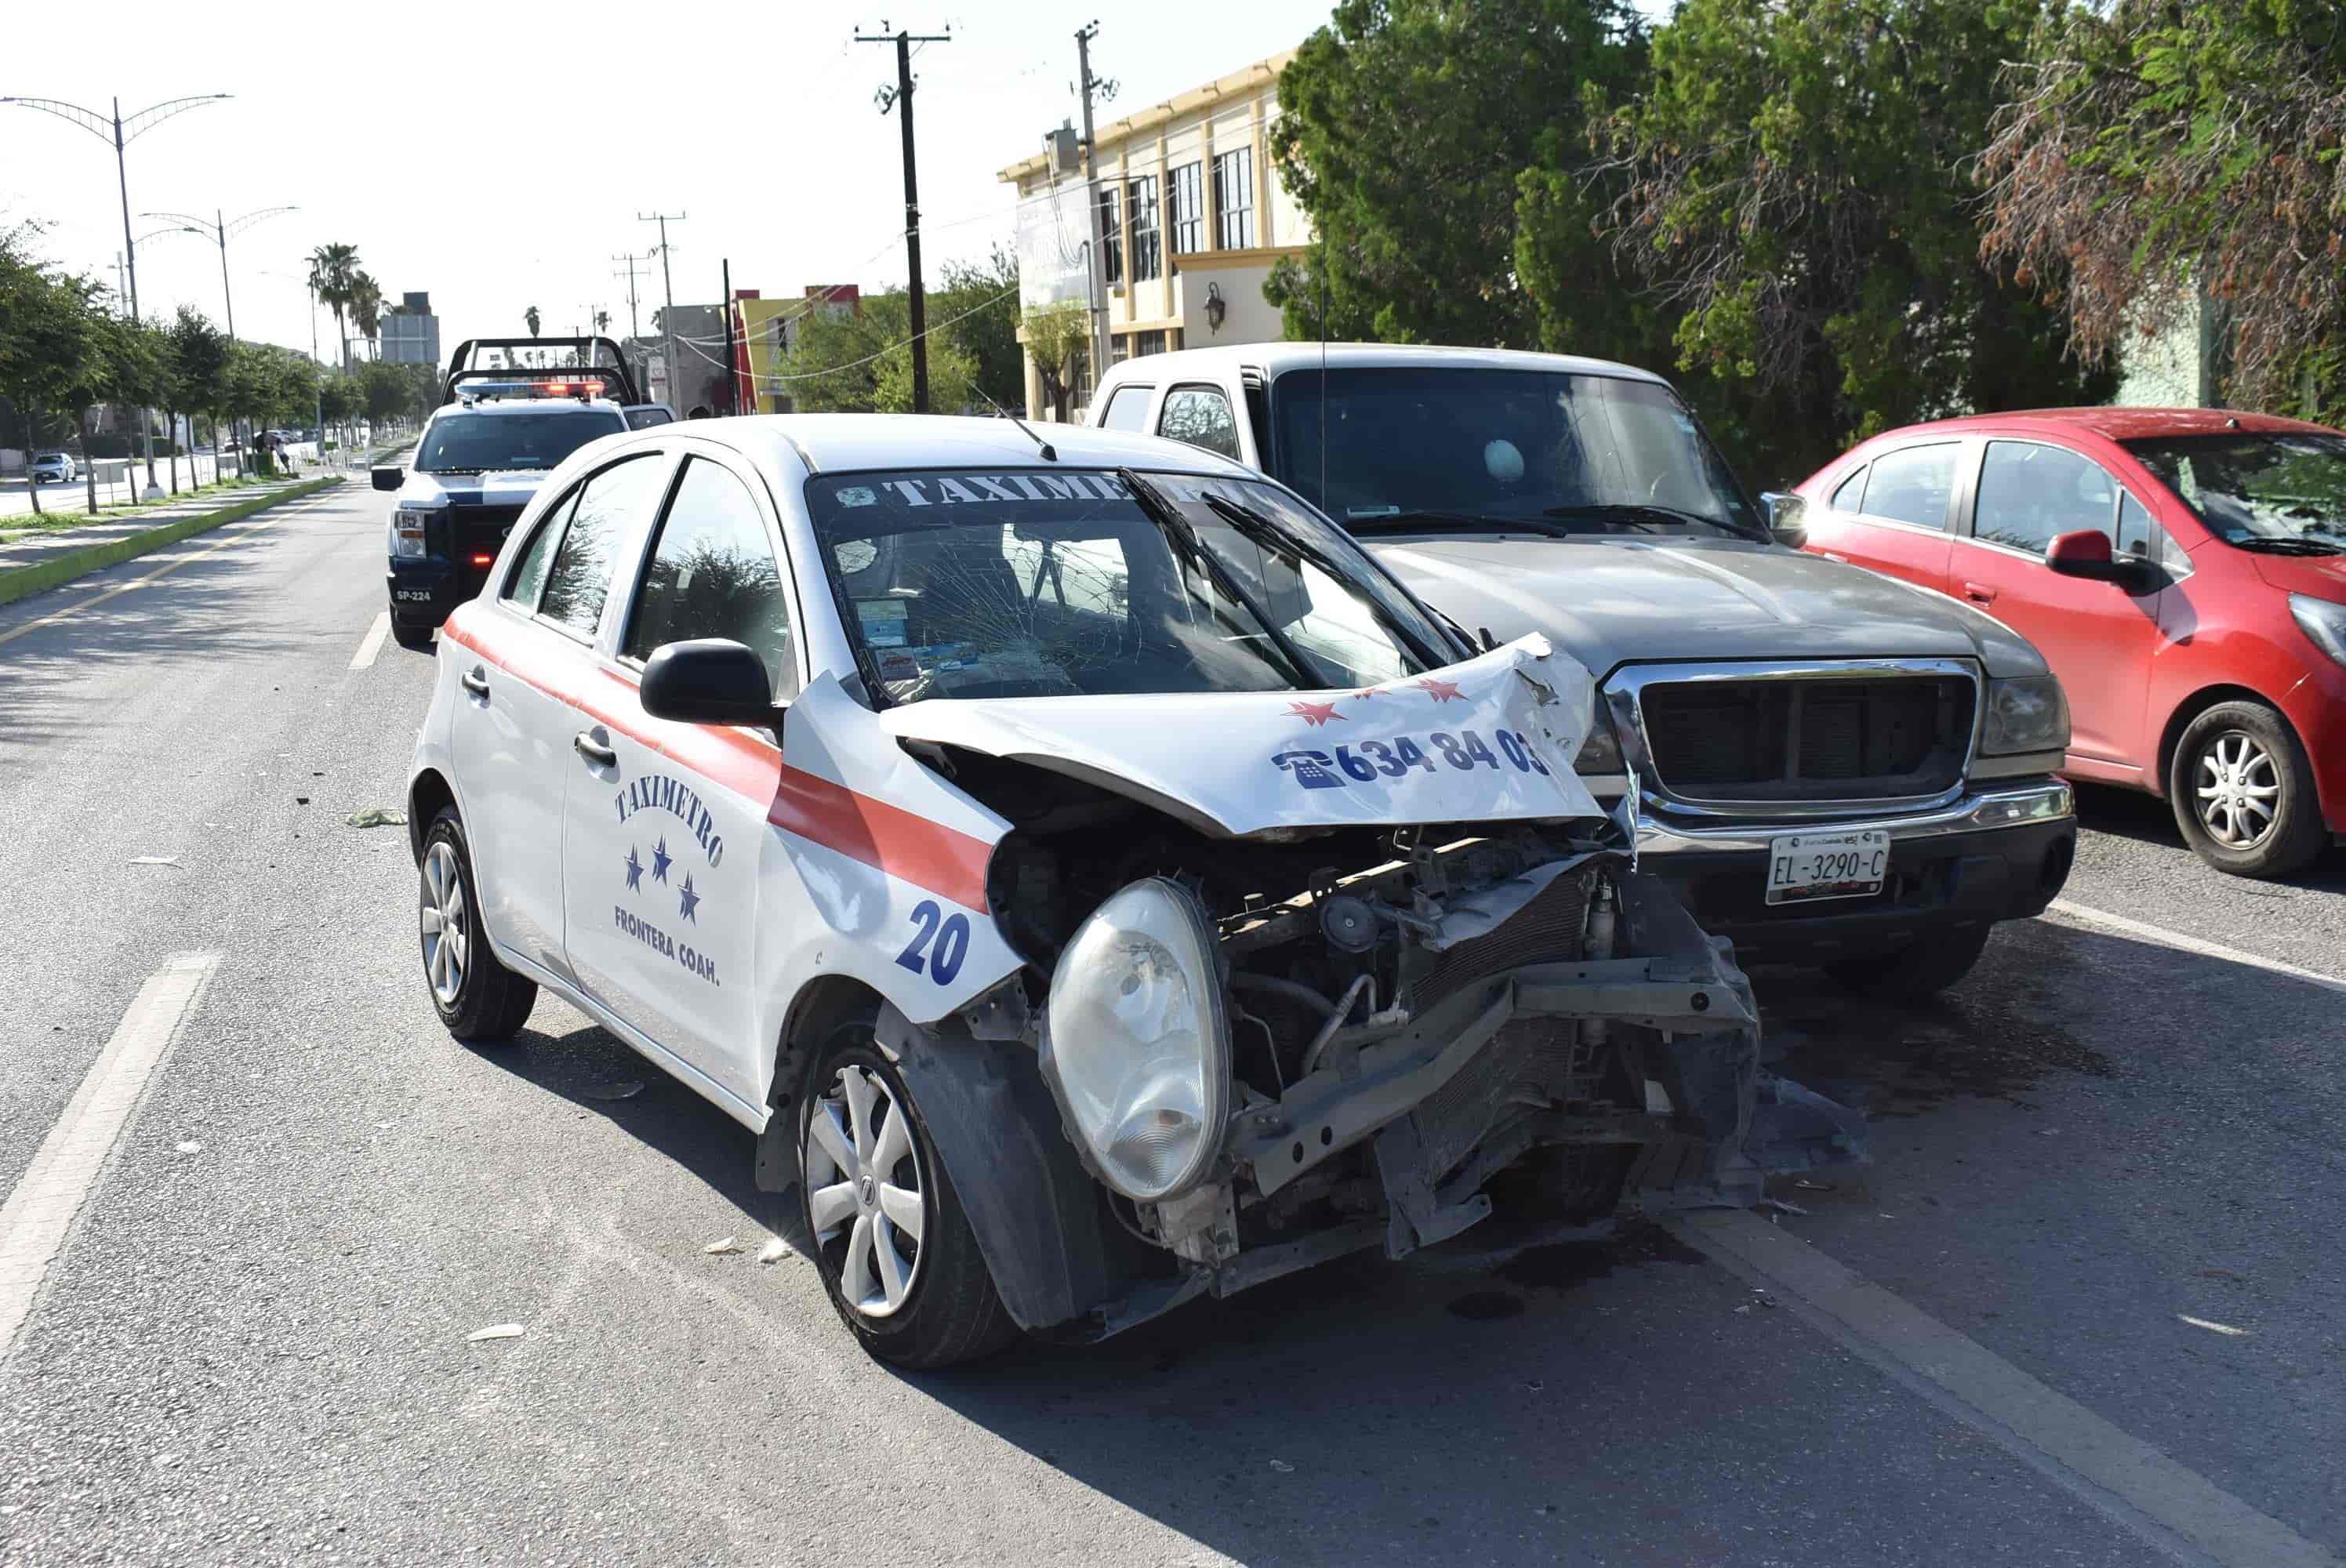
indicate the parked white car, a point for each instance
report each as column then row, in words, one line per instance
column 1093, row 879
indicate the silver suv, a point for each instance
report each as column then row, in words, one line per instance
column 1833, row 767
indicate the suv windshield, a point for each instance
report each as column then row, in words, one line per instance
column 1556, row 451
column 2258, row 492
column 471, row 442
column 1052, row 583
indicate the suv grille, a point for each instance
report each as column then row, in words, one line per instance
column 484, row 527
column 1821, row 740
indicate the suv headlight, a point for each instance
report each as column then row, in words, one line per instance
column 407, row 540
column 1136, row 1043
column 2323, row 622
column 2028, row 713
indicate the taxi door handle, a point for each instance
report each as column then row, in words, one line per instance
column 594, row 750
column 1979, row 592
column 476, row 683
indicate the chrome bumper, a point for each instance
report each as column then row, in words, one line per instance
column 1984, row 810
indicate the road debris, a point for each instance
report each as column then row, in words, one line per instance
column 189, row 1147
column 494, row 1331
column 2225, row 1329
column 377, row 817
column 155, row 860
column 1803, row 1184
column 774, row 1251
column 731, row 1244
column 1281, row 1466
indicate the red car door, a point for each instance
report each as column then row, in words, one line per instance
column 2099, row 637
column 1892, row 514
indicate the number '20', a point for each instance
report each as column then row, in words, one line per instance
column 951, row 934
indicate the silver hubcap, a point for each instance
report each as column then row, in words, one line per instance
column 863, row 1191
column 447, row 939
column 2239, row 787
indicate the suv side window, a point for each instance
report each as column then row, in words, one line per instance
column 522, row 588
column 713, row 575
column 1912, row 485
column 608, row 503
column 2030, row 495
column 1200, row 416
column 1127, row 408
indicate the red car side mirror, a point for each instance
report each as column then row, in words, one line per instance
column 2086, row 554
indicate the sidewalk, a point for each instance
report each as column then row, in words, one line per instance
column 58, row 555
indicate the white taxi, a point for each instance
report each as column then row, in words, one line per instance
column 1092, row 879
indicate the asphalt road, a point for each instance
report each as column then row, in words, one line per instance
column 253, row 1348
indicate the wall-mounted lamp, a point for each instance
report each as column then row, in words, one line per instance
column 1215, row 307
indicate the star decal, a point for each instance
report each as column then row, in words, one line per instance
column 1314, row 714
column 1365, row 696
column 661, row 859
column 635, row 869
column 1441, row 690
column 690, row 901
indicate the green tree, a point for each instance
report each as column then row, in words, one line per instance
column 530, row 318
column 333, row 272
column 366, row 309
column 1058, row 336
column 199, row 358
column 2157, row 155
column 1797, row 185
column 862, row 361
column 975, row 310
column 1408, row 130
column 47, row 326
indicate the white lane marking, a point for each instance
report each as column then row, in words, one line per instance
column 371, row 643
column 39, row 1213
column 2176, row 1510
column 2082, row 915
column 274, row 516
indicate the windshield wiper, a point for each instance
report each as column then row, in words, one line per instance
column 1253, row 526
column 1644, row 514
column 1184, row 536
column 2289, row 546
column 1419, row 519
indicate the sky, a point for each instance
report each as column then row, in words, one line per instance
column 411, row 132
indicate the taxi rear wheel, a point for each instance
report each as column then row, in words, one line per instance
column 480, row 1000
column 895, row 1249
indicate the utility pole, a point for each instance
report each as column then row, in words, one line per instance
column 634, row 330
column 122, row 133
column 732, row 383
column 901, row 98
column 1095, row 273
column 668, row 287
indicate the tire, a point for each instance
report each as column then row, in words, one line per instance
column 414, row 638
column 939, row 1306
column 481, row 1001
column 1916, row 971
column 2262, row 817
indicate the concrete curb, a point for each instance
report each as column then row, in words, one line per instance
column 25, row 581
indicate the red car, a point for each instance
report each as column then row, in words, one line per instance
column 2182, row 570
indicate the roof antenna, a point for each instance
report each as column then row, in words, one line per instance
column 1050, row 453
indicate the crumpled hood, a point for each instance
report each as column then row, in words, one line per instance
column 1614, row 601
column 505, row 488
column 1490, row 739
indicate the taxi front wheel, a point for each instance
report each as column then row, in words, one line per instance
column 897, row 1255
column 480, row 1000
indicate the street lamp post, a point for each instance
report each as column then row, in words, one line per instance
column 114, row 128
column 220, row 232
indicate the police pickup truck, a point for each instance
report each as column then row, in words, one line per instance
column 500, row 429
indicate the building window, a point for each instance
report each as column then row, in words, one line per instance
column 1148, row 344
column 1111, row 228
column 1188, row 201
column 1234, row 199
column 1147, row 240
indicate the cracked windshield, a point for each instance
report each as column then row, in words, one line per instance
column 2284, row 493
column 1064, row 584
column 482, row 443
column 1546, row 452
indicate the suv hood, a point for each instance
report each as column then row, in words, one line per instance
column 1233, row 763
column 510, row 487
column 1614, row 601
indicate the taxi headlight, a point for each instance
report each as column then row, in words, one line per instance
column 2028, row 713
column 1136, row 1042
column 1600, row 754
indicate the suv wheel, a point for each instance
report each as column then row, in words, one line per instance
column 480, row 1000
column 414, row 638
column 2243, row 792
column 895, row 1250
column 1917, row 971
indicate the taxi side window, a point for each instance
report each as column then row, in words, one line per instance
column 714, row 576
column 607, row 502
column 529, row 577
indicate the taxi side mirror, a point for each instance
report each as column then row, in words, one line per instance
column 389, row 476
column 708, row 680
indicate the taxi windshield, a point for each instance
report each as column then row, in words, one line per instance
column 476, row 443
column 1060, row 581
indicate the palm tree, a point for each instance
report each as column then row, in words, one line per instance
column 366, row 306
column 331, row 269
column 530, row 318
column 602, row 322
